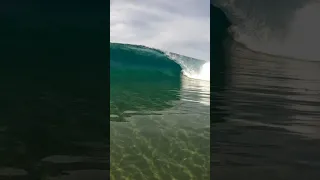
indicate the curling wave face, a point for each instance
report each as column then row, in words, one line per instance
column 132, row 61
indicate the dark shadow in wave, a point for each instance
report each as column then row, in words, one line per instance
column 219, row 37
column 221, row 40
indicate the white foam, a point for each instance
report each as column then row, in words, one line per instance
column 189, row 67
column 203, row 74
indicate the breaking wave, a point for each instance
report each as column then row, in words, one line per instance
column 287, row 29
column 136, row 60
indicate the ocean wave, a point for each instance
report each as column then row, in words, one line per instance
column 287, row 30
column 130, row 61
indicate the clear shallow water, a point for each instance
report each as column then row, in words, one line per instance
column 265, row 125
column 160, row 130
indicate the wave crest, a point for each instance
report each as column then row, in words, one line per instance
column 137, row 60
column 289, row 29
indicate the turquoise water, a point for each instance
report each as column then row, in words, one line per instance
column 160, row 126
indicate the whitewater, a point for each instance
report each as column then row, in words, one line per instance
column 191, row 67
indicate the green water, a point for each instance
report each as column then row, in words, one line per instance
column 159, row 129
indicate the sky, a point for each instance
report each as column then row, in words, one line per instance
column 181, row 27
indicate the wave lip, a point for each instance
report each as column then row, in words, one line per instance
column 137, row 60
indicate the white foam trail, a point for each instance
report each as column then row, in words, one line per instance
column 204, row 73
column 189, row 67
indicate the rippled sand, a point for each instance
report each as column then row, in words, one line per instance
column 160, row 135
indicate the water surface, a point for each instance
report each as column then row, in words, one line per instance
column 265, row 123
column 160, row 129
